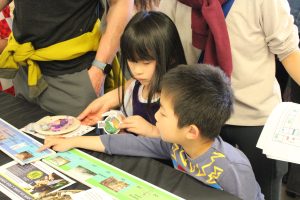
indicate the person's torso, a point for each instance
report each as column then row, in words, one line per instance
column 45, row 23
column 253, row 78
column 142, row 108
column 220, row 167
column 135, row 104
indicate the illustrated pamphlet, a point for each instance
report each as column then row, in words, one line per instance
column 98, row 174
column 19, row 146
column 30, row 181
column 280, row 138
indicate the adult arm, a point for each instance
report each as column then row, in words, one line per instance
column 282, row 35
column 118, row 16
column 292, row 66
column 4, row 3
column 3, row 43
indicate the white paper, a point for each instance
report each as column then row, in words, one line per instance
column 92, row 194
column 280, row 138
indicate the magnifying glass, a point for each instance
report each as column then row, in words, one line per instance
column 112, row 121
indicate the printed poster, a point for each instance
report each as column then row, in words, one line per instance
column 30, row 181
column 98, row 174
column 19, row 146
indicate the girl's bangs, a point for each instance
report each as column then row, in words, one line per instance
column 136, row 48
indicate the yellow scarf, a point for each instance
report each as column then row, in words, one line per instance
column 15, row 55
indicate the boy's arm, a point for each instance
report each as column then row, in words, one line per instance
column 121, row 144
column 64, row 144
column 128, row 144
column 240, row 181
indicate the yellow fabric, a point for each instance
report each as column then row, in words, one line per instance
column 115, row 77
column 16, row 54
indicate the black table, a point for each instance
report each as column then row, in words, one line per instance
column 19, row 113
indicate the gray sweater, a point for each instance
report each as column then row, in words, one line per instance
column 222, row 166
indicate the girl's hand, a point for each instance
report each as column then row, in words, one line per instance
column 57, row 144
column 138, row 125
column 93, row 112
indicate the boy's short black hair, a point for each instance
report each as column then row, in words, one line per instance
column 201, row 95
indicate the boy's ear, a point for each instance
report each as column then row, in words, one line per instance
column 193, row 132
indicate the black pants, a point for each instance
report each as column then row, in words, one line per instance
column 268, row 172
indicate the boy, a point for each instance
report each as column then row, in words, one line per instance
column 195, row 103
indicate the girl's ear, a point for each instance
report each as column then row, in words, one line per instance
column 192, row 132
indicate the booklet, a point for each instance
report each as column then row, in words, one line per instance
column 280, row 138
column 19, row 146
column 98, row 174
column 30, row 181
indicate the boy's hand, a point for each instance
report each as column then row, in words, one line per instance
column 57, row 144
column 138, row 125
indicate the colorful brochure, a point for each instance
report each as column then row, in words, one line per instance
column 19, row 146
column 98, row 174
column 30, row 181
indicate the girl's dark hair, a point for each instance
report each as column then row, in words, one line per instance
column 151, row 36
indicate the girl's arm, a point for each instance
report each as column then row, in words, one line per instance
column 138, row 125
column 110, row 100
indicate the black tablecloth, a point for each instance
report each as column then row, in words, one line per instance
column 19, row 113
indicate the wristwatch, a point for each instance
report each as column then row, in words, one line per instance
column 103, row 66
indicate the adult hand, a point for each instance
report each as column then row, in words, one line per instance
column 97, row 78
column 94, row 111
column 138, row 125
column 57, row 144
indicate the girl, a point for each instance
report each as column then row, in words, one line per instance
column 150, row 46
